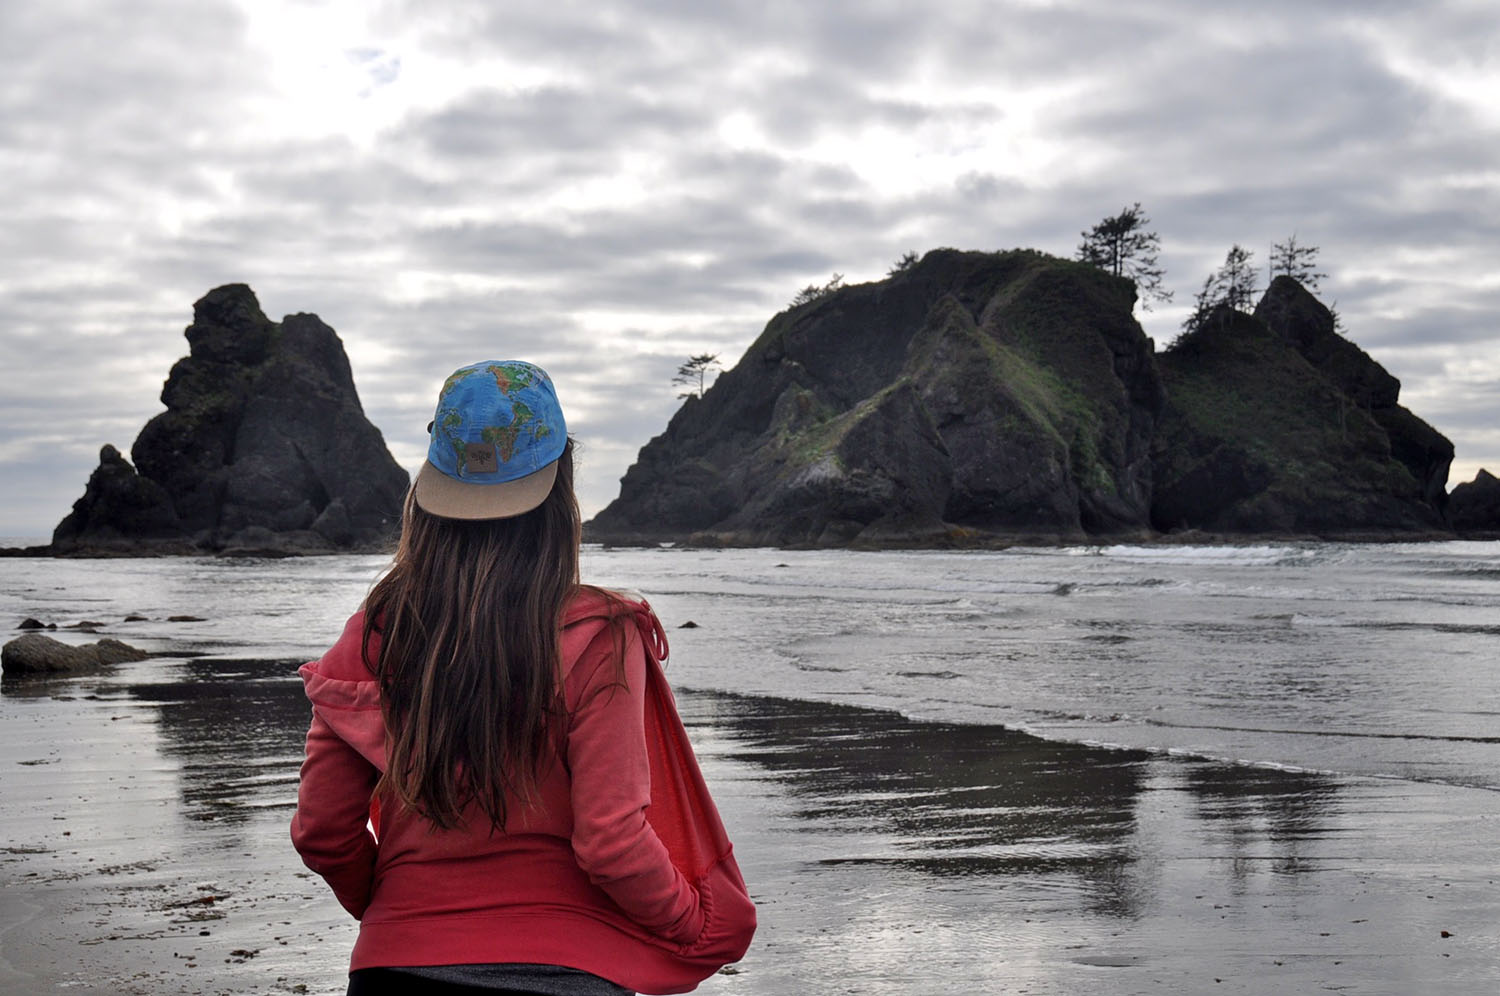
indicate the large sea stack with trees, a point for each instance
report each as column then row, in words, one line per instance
column 988, row 398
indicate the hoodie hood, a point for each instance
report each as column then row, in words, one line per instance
column 344, row 692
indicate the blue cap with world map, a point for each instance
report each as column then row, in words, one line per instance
column 498, row 422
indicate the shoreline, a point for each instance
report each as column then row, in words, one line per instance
column 724, row 541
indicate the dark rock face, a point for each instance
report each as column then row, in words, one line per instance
column 1289, row 310
column 120, row 507
column 980, row 397
column 1276, row 423
column 975, row 392
column 1475, row 506
column 263, row 446
column 38, row 654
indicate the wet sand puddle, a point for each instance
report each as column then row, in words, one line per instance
column 146, row 852
column 891, row 856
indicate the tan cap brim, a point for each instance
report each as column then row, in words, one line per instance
column 441, row 495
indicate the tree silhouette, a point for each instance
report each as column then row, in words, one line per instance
column 694, row 370
column 1231, row 285
column 1209, row 297
column 1121, row 245
column 813, row 292
column 906, row 262
column 1238, row 278
column 1298, row 262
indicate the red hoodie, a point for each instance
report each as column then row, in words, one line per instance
column 579, row 879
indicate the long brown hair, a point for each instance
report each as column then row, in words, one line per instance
column 469, row 620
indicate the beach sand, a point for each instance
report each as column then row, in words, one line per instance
column 145, row 851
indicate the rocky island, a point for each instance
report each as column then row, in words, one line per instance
column 978, row 399
column 263, row 449
column 1475, row 507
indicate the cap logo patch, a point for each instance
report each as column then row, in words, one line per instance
column 479, row 458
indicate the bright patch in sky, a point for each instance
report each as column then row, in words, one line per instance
column 326, row 70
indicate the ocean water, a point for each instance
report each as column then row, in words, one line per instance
column 1266, row 768
column 1371, row 660
column 1362, row 660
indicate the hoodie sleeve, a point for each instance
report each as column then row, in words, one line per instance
column 345, row 755
column 330, row 828
column 606, row 749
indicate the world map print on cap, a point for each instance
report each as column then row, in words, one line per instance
column 495, row 439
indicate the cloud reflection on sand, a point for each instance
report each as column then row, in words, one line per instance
column 147, row 812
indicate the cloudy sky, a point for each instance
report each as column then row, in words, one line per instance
column 606, row 187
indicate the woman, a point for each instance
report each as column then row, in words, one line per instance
column 477, row 777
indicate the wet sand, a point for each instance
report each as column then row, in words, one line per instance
column 145, row 851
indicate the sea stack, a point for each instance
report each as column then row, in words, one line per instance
column 969, row 395
column 264, row 448
column 982, row 399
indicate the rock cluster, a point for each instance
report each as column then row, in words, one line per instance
column 987, row 397
column 263, row 448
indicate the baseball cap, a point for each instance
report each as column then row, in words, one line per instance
column 494, row 442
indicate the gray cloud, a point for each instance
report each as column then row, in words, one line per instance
column 609, row 186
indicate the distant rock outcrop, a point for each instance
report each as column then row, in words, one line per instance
column 263, row 448
column 973, row 393
column 1275, row 423
column 979, row 398
column 1475, row 506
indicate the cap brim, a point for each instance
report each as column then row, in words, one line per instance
column 441, row 495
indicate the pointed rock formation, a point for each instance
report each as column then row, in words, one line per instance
column 120, row 507
column 1289, row 310
column 264, row 447
column 1475, row 506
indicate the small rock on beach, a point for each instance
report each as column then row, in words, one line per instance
column 34, row 653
